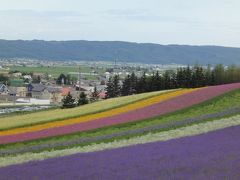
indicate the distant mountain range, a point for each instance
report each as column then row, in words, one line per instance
column 122, row 51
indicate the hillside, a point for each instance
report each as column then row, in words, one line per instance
column 136, row 108
column 78, row 142
column 123, row 51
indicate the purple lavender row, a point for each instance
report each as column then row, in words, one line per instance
column 213, row 155
column 171, row 124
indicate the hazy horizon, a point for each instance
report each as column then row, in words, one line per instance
column 118, row 41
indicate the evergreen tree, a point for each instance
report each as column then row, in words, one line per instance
column 142, row 84
column 198, row 78
column 231, row 74
column 213, row 81
column 62, row 79
column 158, row 81
column 116, row 86
column 167, row 80
column 155, row 82
column 133, row 84
column 68, row 101
column 180, row 78
column 188, row 77
column 125, row 90
column 82, row 99
column 173, row 81
column 208, row 75
column 94, row 95
column 110, row 89
column 219, row 74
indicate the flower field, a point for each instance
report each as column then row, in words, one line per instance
column 201, row 156
column 112, row 112
column 147, row 119
column 150, row 108
column 61, row 114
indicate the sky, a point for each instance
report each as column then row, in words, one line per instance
column 191, row 22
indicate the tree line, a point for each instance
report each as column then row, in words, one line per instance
column 69, row 102
column 184, row 77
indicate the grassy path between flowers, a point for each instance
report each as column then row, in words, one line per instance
column 223, row 103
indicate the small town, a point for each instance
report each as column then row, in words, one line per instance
column 25, row 86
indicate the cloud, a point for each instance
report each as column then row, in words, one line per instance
column 144, row 15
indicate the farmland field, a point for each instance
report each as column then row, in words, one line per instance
column 55, row 71
column 150, row 124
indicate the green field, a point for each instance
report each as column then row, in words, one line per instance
column 55, row 71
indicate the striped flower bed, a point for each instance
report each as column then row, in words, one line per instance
column 134, row 132
column 162, row 136
column 112, row 112
column 225, row 105
column 171, row 105
column 14, row 121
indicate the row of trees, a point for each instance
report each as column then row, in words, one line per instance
column 187, row 77
column 69, row 102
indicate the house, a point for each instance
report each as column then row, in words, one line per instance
column 54, row 94
column 40, row 91
column 6, row 98
column 20, row 91
column 36, row 91
column 4, row 89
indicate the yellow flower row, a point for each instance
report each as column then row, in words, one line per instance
column 116, row 111
column 41, row 117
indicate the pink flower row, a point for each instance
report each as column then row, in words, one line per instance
column 165, row 107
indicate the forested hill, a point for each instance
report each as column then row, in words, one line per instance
column 122, row 51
